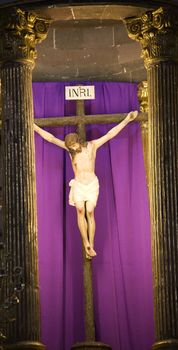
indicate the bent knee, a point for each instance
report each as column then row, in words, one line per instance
column 80, row 210
column 90, row 213
column 90, row 210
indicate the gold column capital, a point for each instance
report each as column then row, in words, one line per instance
column 157, row 31
column 20, row 31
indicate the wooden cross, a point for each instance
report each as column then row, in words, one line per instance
column 80, row 121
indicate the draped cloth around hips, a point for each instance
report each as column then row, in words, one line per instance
column 80, row 192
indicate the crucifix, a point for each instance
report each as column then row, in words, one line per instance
column 82, row 93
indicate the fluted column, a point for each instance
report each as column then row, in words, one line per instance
column 20, row 31
column 157, row 32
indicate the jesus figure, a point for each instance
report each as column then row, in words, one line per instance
column 84, row 188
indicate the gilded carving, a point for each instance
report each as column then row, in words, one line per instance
column 142, row 94
column 20, row 31
column 157, row 32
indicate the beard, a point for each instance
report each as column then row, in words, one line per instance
column 74, row 152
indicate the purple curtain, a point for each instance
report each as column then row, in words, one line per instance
column 122, row 276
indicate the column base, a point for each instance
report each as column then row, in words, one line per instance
column 90, row 346
column 26, row 345
column 167, row 344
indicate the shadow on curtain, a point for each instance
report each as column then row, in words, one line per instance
column 122, row 277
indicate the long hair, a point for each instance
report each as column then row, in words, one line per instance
column 71, row 139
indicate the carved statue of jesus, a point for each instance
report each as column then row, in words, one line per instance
column 84, row 188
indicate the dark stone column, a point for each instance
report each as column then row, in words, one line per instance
column 157, row 32
column 20, row 31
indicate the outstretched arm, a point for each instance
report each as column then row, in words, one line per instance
column 49, row 137
column 114, row 131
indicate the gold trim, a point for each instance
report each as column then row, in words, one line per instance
column 168, row 343
column 142, row 94
column 27, row 345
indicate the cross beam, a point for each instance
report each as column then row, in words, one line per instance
column 81, row 120
column 87, row 119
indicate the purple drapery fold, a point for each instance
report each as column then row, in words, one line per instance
column 122, row 277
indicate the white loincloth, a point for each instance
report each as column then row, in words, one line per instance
column 80, row 192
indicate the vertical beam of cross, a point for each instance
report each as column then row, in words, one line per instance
column 87, row 264
column 80, row 112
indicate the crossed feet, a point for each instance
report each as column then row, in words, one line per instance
column 90, row 252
